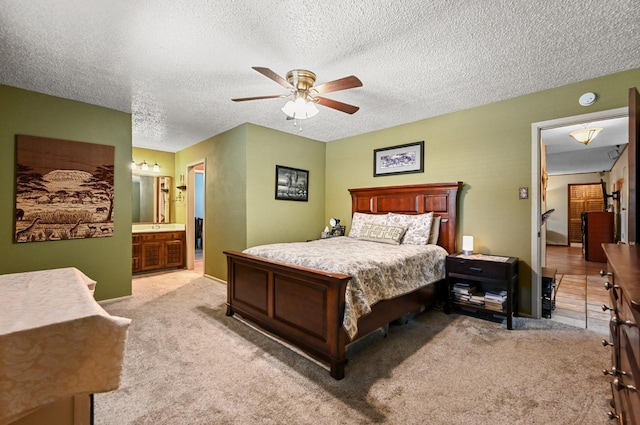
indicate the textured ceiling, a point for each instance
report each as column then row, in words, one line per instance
column 175, row 65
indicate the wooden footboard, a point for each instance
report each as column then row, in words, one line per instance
column 300, row 305
column 305, row 306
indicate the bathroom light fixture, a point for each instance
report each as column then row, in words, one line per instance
column 585, row 135
column 467, row 245
column 143, row 166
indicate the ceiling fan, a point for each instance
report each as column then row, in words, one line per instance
column 300, row 82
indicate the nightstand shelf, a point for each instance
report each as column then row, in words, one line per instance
column 471, row 277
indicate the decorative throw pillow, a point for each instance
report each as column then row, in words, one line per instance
column 419, row 227
column 380, row 233
column 435, row 230
column 360, row 218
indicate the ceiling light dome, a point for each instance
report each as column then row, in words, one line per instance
column 585, row 135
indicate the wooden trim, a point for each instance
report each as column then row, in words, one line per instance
column 634, row 135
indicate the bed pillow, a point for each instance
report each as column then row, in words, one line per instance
column 381, row 233
column 435, row 230
column 418, row 227
column 360, row 218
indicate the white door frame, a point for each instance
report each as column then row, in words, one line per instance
column 536, row 212
column 191, row 213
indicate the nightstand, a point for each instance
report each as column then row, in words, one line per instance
column 486, row 284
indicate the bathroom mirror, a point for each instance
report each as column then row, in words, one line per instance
column 151, row 199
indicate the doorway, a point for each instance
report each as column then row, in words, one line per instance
column 538, row 204
column 195, row 217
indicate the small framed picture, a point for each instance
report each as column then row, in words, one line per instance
column 401, row 159
column 292, row 184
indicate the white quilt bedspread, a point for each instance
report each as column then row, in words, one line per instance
column 378, row 271
column 55, row 340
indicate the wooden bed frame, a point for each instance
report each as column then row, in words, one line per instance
column 305, row 306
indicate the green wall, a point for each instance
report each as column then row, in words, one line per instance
column 489, row 149
column 106, row 260
column 239, row 190
column 270, row 220
column 224, row 196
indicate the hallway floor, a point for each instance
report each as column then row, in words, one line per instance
column 580, row 289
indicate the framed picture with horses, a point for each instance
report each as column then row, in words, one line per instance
column 292, row 184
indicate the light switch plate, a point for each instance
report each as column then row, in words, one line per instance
column 523, row 193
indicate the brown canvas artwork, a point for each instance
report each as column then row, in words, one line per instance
column 64, row 190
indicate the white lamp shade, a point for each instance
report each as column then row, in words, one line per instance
column 300, row 109
column 289, row 108
column 310, row 109
column 467, row 244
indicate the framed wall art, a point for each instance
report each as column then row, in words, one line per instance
column 401, row 159
column 64, row 190
column 292, row 184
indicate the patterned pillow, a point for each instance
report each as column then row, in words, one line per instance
column 360, row 218
column 435, row 230
column 419, row 227
column 380, row 233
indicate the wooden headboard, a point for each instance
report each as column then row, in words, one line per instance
column 441, row 198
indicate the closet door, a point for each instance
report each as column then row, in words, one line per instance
column 583, row 197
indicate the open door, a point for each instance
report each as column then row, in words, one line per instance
column 634, row 133
column 543, row 197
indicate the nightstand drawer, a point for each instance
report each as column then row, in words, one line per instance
column 476, row 268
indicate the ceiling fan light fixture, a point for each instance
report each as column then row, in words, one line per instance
column 585, row 135
column 300, row 109
column 311, row 109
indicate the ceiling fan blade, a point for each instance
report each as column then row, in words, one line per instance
column 343, row 107
column 272, row 75
column 274, row 96
column 342, row 84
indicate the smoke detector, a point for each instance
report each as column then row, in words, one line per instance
column 587, row 99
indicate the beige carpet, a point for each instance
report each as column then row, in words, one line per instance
column 187, row 363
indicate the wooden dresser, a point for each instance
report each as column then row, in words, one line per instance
column 597, row 228
column 623, row 284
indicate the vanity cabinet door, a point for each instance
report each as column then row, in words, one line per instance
column 136, row 253
column 151, row 255
column 174, row 253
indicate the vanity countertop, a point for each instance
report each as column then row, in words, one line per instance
column 153, row 228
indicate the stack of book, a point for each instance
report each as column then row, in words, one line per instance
column 477, row 299
column 464, row 292
column 495, row 299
